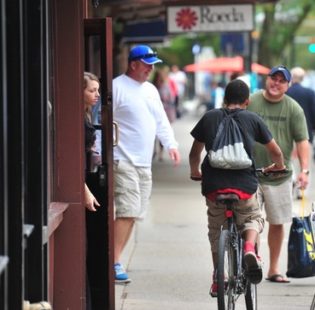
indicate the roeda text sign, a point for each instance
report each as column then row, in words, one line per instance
column 210, row 18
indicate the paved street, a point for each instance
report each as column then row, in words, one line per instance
column 168, row 258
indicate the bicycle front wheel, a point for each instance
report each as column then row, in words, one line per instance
column 226, row 273
column 251, row 296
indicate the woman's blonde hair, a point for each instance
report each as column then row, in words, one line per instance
column 88, row 76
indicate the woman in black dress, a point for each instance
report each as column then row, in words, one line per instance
column 91, row 96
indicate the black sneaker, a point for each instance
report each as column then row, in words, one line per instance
column 253, row 268
column 252, row 264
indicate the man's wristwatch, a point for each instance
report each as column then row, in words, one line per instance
column 305, row 171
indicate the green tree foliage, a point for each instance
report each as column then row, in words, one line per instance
column 179, row 51
column 282, row 22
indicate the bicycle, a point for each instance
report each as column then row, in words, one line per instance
column 232, row 277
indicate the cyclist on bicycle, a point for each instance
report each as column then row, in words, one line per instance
column 242, row 182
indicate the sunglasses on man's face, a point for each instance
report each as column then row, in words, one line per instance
column 278, row 79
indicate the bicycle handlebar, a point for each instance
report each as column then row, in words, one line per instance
column 272, row 172
column 258, row 170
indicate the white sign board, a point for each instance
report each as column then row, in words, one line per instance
column 205, row 18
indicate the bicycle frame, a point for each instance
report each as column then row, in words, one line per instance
column 237, row 243
column 231, row 250
column 235, row 237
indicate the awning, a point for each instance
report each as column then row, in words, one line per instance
column 225, row 64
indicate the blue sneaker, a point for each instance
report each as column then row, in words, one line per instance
column 121, row 275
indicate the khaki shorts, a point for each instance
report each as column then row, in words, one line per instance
column 277, row 202
column 248, row 216
column 132, row 189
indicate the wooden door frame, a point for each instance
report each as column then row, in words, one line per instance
column 67, row 242
column 102, row 237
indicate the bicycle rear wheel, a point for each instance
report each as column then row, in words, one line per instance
column 251, row 296
column 226, row 273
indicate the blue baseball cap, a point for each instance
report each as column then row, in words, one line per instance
column 143, row 53
column 282, row 69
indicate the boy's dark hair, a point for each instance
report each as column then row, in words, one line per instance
column 236, row 91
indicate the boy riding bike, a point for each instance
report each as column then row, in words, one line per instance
column 242, row 182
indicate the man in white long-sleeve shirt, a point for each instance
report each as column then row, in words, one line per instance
column 139, row 112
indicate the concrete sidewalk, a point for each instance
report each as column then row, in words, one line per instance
column 168, row 256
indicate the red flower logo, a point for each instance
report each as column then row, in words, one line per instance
column 186, row 18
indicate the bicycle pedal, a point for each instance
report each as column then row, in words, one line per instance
column 214, row 289
column 254, row 275
column 213, row 294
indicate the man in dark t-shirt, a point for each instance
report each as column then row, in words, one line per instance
column 242, row 182
column 305, row 97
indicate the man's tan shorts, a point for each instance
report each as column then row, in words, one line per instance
column 248, row 216
column 277, row 202
column 132, row 189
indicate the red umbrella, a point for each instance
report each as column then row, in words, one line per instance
column 216, row 65
column 225, row 64
column 260, row 69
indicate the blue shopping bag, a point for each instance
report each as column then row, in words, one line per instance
column 301, row 249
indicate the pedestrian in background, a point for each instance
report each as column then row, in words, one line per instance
column 305, row 97
column 139, row 112
column 165, row 87
column 180, row 78
column 286, row 121
column 216, row 95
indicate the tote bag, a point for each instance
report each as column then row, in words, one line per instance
column 301, row 246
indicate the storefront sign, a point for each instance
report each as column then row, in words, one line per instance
column 205, row 18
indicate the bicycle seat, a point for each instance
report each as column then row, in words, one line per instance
column 227, row 197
